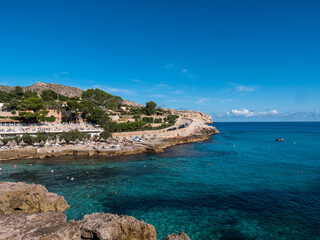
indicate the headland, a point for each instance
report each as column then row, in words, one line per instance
column 89, row 123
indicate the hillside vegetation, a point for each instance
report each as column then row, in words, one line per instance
column 92, row 106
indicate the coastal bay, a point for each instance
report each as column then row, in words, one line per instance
column 238, row 184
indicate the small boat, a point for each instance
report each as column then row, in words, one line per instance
column 279, row 139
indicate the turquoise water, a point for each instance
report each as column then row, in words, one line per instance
column 241, row 184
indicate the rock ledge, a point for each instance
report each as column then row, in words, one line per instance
column 30, row 212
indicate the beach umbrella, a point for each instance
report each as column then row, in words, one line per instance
column 22, row 143
column 77, row 141
column 8, row 143
column 1, row 143
column 47, row 143
column 142, row 136
column 102, row 140
column 14, row 143
column 63, row 141
column 42, row 143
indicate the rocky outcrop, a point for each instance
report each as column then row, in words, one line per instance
column 40, row 86
column 107, row 226
column 195, row 115
column 36, row 226
column 175, row 236
column 132, row 104
column 30, row 212
column 21, row 197
column 58, row 88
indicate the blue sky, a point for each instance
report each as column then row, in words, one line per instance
column 237, row 60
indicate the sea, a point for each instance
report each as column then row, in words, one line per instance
column 240, row 184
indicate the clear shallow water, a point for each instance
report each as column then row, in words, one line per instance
column 241, row 184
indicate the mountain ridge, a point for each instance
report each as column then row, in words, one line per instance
column 60, row 89
column 40, row 86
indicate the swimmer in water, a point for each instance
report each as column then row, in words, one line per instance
column 14, row 166
column 67, row 177
column 51, row 171
column 72, row 179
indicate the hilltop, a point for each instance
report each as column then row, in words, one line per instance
column 40, row 86
column 61, row 90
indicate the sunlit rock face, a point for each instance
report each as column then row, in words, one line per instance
column 30, row 212
column 21, row 197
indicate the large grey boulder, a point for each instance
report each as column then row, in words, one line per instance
column 107, row 226
column 38, row 226
column 175, row 236
column 21, row 197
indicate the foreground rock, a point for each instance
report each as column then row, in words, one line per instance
column 30, row 212
column 34, row 226
column 29, row 198
column 175, row 236
column 107, row 226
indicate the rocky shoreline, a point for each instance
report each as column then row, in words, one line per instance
column 151, row 147
column 30, row 212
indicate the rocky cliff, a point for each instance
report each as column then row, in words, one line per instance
column 30, row 212
column 195, row 115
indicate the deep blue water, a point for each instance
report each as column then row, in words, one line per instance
column 241, row 184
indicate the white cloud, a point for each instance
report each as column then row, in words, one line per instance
column 163, row 86
column 60, row 74
column 136, row 80
column 202, row 101
column 247, row 113
column 184, row 71
column 158, row 96
column 242, row 88
column 270, row 114
column 115, row 90
column 177, row 92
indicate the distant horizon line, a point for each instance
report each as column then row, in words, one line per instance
column 264, row 121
